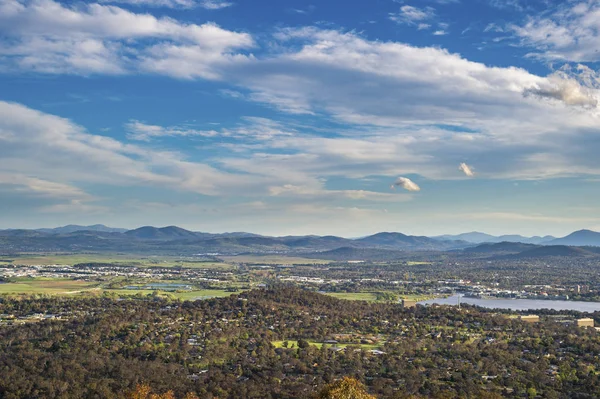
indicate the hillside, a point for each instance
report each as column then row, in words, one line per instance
column 555, row 250
column 479, row 238
column 579, row 238
column 71, row 228
column 357, row 254
column 164, row 233
column 402, row 241
column 501, row 247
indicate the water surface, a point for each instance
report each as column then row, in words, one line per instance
column 517, row 304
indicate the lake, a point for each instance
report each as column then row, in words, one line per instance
column 517, row 304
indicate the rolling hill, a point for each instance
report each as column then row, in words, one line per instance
column 71, row 228
column 556, row 250
column 479, row 238
column 500, row 248
column 579, row 238
column 163, row 233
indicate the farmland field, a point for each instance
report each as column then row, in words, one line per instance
column 47, row 286
column 117, row 259
column 279, row 344
column 354, row 296
column 273, row 260
column 372, row 296
column 77, row 287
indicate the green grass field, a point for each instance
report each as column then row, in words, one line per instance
column 48, row 286
column 186, row 296
column 27, row 286
column 279, row 344
column 372, row 296
column 354, row 296
column 272, row 260
column 125, row 260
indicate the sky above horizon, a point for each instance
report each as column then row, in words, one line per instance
column 300, row 117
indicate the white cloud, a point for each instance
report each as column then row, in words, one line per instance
column 412, row 15
column 44, row 146
column 318, row 192
column 44, row 188
column 560, row 86
column 144, row 132
column 466, row 169
column 440, row 33
column 156, row 3
column 252, row 128
column 571, row 32
column 46, row 36
column 183, row 4
column 410, row 109
column 215, row 4
column 406, row 184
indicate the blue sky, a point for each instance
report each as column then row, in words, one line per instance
column 300, row 117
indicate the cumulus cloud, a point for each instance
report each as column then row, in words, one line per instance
column 561, row 87
column 466, row 169
column 50, row 37
column 409, row 108
column 406, row 184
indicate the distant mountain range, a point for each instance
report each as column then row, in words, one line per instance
column 512, row 250
column 579, row 238
column 478, row 238
column 173, row 239
column 71, row 228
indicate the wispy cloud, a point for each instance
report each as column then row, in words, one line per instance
column 143, row 132
column 570, row 32
column 156, row 3
column 215, row 4
column 185, row 4
column 412, row 15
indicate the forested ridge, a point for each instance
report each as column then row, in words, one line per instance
column 101, row 347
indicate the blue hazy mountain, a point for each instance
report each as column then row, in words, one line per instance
column 476, row 237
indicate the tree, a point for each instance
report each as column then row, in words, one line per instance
column 303, row 344
column 143, row 391
column 346, row 388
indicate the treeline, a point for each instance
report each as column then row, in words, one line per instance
column 223, row 348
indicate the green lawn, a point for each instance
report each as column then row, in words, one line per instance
column 186, row 296
column 118, row 259
column 47, row 286
column 279, row 344
column 28, row 286
column 202, row 294
column 354, row 296
column 272, row 260
column 372, row 296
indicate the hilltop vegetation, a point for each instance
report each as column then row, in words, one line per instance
column 101, row 347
